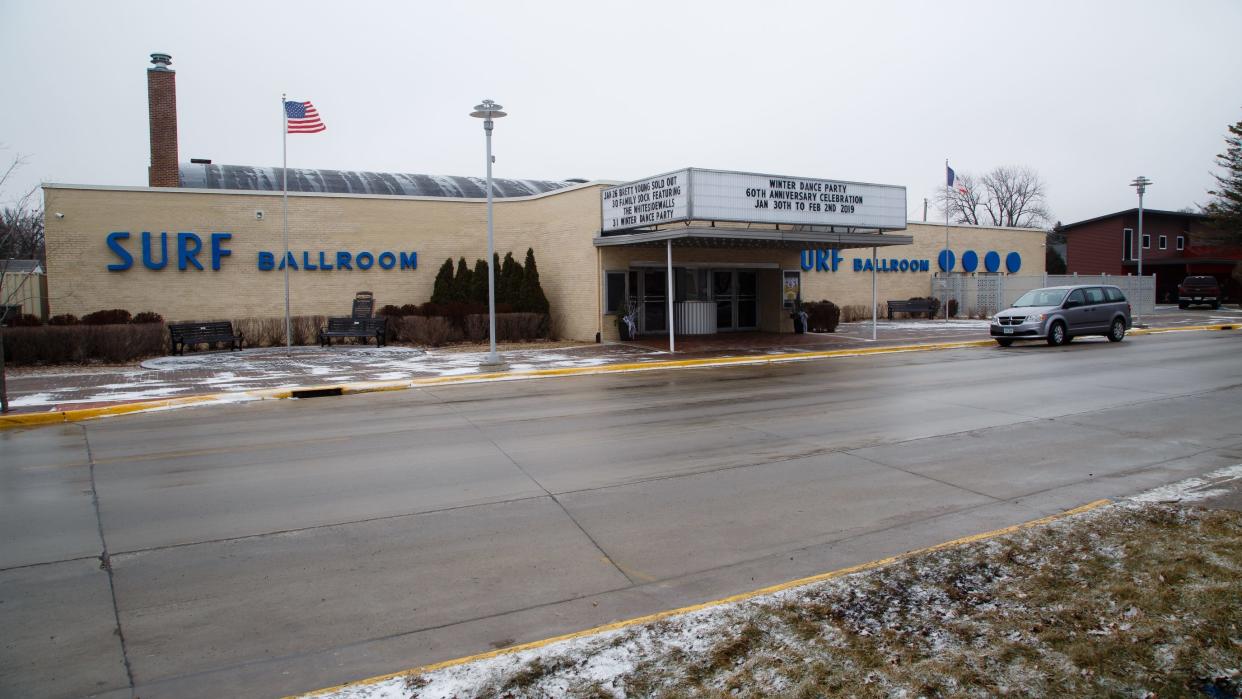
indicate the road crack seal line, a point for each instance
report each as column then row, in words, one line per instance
column 40, row 564
column 916, row 474
column 105, row 562
column 607, row 557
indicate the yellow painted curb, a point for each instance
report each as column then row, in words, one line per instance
column 740, row 597
column 1186, row 328
column 36, row 419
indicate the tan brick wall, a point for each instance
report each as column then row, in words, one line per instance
column 558, row 226
column 847, row 287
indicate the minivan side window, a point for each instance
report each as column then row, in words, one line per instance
column 1095, row 295
column 1114, row 294
column 1075, row 298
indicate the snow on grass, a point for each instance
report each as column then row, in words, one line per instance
column 1138, row 599
column 1193, row 489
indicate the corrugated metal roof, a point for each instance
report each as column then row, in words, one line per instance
column 21, row 266
column 247, row 177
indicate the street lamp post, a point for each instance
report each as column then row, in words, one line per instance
column 1140, row 183
column 488, row 111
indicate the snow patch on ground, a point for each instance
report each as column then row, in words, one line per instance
column 605, row 657
column 1193, row 489
column 265, row 368
column 33, row 400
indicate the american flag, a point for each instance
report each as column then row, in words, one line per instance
column 302, row 117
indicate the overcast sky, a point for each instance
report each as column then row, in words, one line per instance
column 1089, row 94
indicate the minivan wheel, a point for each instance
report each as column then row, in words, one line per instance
column 1118, row 331
column 1004, row 341
column 1056, row 334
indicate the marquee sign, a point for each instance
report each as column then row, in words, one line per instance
column 659, row 199
column 718, row 195
column 186, row 247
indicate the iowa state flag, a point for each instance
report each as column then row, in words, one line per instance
column 951, row 180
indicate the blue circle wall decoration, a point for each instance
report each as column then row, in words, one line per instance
column 991, row 261
column 946, row 260
column 970, row 261
column 1013, row 262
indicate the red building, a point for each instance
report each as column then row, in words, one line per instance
column 1174, row 247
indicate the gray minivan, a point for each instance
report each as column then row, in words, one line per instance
column 1058, row 314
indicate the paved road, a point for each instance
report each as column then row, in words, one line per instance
column 262, row 549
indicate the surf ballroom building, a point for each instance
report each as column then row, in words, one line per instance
column 711, row 251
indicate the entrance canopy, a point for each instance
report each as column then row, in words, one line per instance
column 722, row 209
column 696, row 208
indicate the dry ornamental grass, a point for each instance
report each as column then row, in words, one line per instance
column 1133, row 600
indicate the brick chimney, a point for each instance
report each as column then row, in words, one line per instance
column 162, row 105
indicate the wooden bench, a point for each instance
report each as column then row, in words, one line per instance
column 190, row 334
column 365, row 328
column 911, row 307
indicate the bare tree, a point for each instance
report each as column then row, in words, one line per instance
column 1012, row 196
column 962, row 204
column 21, row 229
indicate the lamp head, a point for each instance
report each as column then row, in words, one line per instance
column 488, row 110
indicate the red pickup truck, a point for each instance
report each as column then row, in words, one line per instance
column 1198, row 290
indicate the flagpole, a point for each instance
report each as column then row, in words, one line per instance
column 947, row 262
column 284, row 179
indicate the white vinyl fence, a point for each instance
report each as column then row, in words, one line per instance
column 981, row 295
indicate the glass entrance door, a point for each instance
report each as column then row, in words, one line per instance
column 653, row 291
column 722, row 294
column 747, row 300
column 736, row 293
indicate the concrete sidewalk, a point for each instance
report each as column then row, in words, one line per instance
column 43, row 389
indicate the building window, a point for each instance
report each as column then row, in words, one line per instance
column 614, row 291
column 1181, row 242
column 1127, row 244
column 1163, row 242
column 1147, row 241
